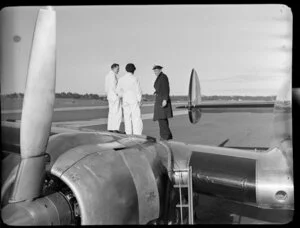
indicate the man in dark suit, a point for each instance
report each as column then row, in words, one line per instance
column 162, row 107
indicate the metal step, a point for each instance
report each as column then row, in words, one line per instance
column 183, row 205
column 181, row 186
column 180, row 170
column 189, row 186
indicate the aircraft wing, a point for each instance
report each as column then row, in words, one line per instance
column 195, row 103
column 10, row 138
column 256, row 104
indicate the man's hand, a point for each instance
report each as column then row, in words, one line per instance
column 164, row 103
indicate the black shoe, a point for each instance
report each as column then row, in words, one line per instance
column 113, row 131
column 161, row 139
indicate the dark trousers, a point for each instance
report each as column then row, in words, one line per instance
column 164, row 130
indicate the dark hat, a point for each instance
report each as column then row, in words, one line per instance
column 157, row 67
column 130, row 67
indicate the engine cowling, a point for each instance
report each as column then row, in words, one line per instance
column 114, row 182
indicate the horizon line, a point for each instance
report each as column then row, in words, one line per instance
column 104, row 95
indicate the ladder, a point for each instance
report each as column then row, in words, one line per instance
column 183, row 179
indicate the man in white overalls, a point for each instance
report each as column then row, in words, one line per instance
column 129, row 89
column 115, row 112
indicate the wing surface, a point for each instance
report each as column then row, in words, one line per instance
column 258, row 104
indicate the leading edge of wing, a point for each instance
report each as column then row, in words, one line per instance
column 265, row 104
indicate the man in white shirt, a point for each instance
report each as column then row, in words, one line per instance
column 115, row 112
column 129, row 89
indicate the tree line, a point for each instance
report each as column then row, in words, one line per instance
column 62, row 95
column 148, row 97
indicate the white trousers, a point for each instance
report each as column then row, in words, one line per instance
column 132, row 119
column 114, row 115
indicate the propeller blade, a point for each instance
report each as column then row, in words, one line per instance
column 194, row 98
column 194, row 89
column 37, row 107
column 40, row 87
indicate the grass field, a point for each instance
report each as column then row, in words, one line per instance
column 16, row 103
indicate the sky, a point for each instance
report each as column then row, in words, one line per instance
column 235, row 49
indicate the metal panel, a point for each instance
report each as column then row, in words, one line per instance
column 226, row 176
column 145, row 183
column 72, row 156
column 275, row 187
column 59, row 144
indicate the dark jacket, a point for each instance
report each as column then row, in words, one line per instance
column 162, row 92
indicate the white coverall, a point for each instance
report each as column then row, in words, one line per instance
column 129, row 89
column 114, row 112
